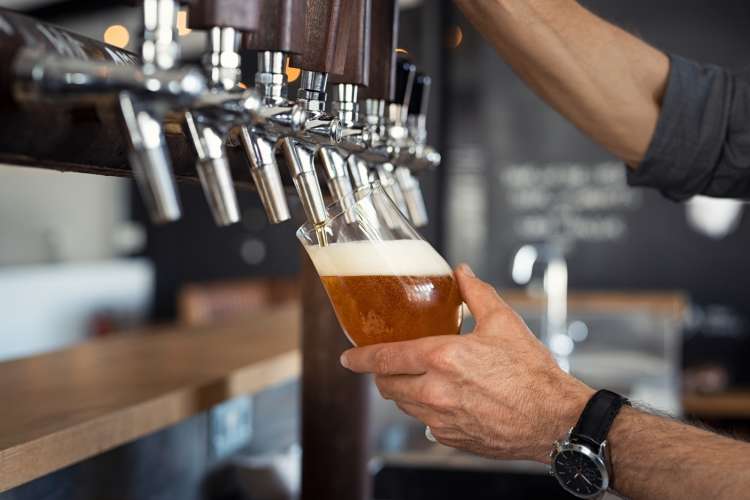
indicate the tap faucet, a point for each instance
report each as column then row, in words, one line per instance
column 280, row 116
column 420, row 155
column 209, row 121
column 145, row 93
column 291, row 128
column 143, row 113
column 555, row 285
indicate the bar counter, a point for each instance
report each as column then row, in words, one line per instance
column 62, row 407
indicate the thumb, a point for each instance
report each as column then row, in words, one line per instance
column 481, row 298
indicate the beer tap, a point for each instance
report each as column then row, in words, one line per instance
column 225, row 105
column 289, row 125
column 421, row 155
column 355, row 25
column 324, row 54
column 380, row 90
column 259, row 142
column 144, row 93
column 143, row 113
column 395, row 132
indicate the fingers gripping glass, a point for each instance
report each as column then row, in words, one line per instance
column 385, row 282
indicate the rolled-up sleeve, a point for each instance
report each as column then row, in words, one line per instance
column 702, row 140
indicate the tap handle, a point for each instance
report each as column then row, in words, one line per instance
column 355, row 37
column 420, row 95
column 281, row 27
column 243, row 15
column 383, row 37
column 405, row 73
column 324, row 52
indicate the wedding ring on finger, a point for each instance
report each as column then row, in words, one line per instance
column 428, row 434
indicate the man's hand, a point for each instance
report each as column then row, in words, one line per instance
column 496, row 392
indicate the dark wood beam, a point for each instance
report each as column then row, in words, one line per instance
column 85, row 138
column 81, row 141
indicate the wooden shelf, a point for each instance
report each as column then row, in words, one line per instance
column 63, row 407
column 727, row 405
column 669, row 303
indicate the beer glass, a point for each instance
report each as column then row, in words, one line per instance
column 385, row 282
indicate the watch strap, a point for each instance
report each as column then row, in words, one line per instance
column 597, row 417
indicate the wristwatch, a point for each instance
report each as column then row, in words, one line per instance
column 581, row 461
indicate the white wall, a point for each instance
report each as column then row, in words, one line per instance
column 61, row 237
column 48, row 216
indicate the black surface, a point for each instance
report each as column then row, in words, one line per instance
column 71, row 8
column 195, row 250
column 399, row 483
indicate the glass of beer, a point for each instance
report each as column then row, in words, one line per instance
column 385, row 282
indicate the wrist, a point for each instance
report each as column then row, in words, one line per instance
column 570, row 403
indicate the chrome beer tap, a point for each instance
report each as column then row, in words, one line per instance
column 143, row 113
column 144, row 91
column 209, row 122
column 229, row 107
column 420, row 156
column 283, row 122
column 320, row 129
column 280, row 32
column 392, row 131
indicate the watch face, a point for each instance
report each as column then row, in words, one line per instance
column 580, row 472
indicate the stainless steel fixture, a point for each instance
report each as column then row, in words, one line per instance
column 145, row 94
column 210, row 121
column 554, row 331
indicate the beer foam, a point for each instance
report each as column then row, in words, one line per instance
column 378, row 258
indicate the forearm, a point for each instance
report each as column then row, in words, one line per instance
column 655, row 457
column 606, row 81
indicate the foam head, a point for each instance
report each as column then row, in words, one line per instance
column 378, row 258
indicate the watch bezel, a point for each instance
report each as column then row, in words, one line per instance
column 598, row 459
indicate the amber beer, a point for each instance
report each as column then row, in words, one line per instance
column 387, row 291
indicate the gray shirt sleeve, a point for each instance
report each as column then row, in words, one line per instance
column 702, row 140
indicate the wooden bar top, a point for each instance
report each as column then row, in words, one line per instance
column 62, row 407
column 730, row 405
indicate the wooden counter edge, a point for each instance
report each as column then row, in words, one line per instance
column 30, row 460
column 727, row 405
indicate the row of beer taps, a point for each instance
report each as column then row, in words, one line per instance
column 348, row 145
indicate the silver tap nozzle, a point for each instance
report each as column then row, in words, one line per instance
column 149, row 159
column 337, row 177
column 213, row 170
column 385, row 174
column 359, row 173
column 265, row 173
column 301, row 164
column 413, row 196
